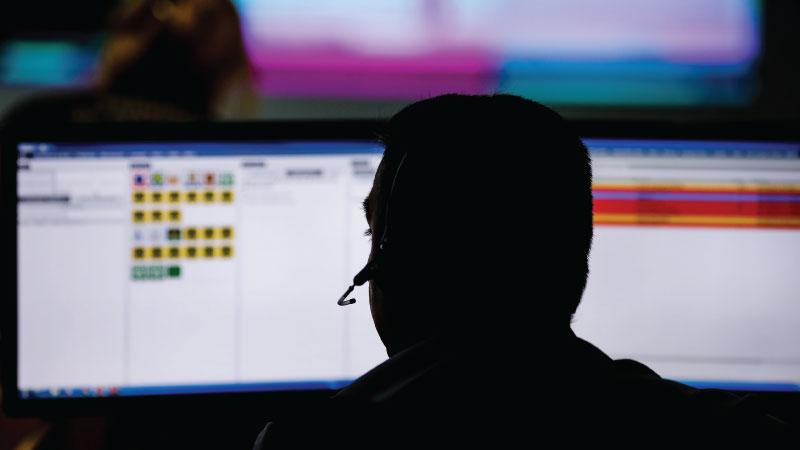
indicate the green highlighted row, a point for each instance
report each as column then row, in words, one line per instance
column 155, row 272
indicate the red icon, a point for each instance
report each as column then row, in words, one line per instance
column 210, row 178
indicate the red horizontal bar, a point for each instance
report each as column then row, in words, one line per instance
column 771, row 209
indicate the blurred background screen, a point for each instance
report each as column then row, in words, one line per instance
column 360, row 58
column 630, row 52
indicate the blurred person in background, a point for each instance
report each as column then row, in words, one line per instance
column 164, row 60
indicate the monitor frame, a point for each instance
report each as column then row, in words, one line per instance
column 268, row 404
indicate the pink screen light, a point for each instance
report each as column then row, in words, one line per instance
column 416, row 48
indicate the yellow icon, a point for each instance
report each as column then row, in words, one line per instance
column 208, row 252
column 174, row 215
column 190, row 252
column 225, row 233
column 156, row 216
column 226, row 251
column 174, row 252
column 208, row 233
column 138, row 253
column 191, row 197
column 174, row 197
column 190, row 233
column 138, row 197
column 156, row 252
column 226, row 196
column 138, row 216
column 156, row 196
column 209, row 196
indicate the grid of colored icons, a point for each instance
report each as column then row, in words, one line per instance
column 696, row 204
column 158, row 200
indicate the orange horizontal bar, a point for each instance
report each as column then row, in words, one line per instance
column 744, row 188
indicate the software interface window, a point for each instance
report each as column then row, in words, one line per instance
column 693, row 259
column 168, row 265
column 206, row 267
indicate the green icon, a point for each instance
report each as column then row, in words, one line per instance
column 139, row 273
column 174, row 271
column 156, row 179
column 226, row 179
column 155, row 272
column 173, row 234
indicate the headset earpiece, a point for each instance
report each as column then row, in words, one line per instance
column 370, row 271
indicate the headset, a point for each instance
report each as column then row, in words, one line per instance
column 371, row 270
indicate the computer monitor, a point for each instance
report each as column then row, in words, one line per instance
column 191, row 264
column 661, row 53
column 207, row 260
column 627, row 52
column 692, row 265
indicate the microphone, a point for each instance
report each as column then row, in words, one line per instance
column 342, row 301
column 364, row 275
column 371, row 269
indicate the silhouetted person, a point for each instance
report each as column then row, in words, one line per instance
column 483, row 206
column 164, row 60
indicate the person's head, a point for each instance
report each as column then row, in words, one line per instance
column 489, row 222
column 187, row 53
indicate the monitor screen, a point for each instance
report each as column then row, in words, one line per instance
column 666, row 53
column 692, row 265
column 629, row 52
column 165, row 268
column 150, row 268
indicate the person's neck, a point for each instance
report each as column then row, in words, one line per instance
column 402, row 344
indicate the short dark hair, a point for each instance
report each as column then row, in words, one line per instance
column 494, row 195
column 151, row 54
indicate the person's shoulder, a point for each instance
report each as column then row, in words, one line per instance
column 341, row 423
column 704, row 410
column 404, row 375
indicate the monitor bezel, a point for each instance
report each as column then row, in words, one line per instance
column 268, row 404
